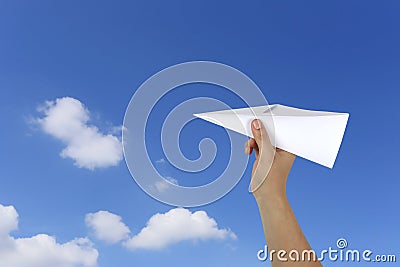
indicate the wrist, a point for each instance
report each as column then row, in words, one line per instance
column 263, row 198
column 273, row 189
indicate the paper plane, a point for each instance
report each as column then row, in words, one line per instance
column 313, row 135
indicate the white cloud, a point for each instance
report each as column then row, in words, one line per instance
column 162, row 230
column 175, row 226
column 163, row 185
column 8, row 219
column 107, row 226
column 40, row 250
column 67, row 120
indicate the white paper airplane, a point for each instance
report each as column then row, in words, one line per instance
column 313, row 135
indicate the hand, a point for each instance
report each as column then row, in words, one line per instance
column 271, row 167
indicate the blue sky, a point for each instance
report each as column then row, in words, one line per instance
column 339, row 56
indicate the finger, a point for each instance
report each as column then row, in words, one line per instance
column 250, row 145
column 265, row 154
column 260, row 134
column 253, row 145
column 247, row 149
column 256, row 129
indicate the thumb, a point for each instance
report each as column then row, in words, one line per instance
column 259, row 133
column 266, row 154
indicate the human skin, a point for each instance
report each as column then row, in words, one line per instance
column 268, row 185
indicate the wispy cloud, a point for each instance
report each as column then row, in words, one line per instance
column 163, row 185
column 166, row 183
column 67, row 119
column 40, row 250
column 160, row 161
column 163, row 229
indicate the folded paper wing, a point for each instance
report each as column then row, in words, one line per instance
column 313, row 135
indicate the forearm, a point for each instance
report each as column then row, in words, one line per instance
column 281, row 228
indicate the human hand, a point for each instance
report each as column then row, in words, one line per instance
column 271, row 167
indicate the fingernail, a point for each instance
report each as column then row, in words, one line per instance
column 247, row 150
column 256, row 124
